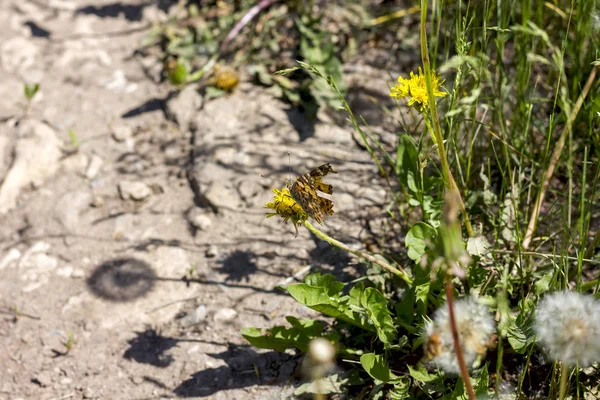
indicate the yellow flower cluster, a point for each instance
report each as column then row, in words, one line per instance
column 226, row 77
column 415, row 88
column 286, row 207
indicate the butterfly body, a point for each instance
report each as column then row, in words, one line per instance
column 311, row 193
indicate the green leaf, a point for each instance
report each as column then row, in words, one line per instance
column 407, row 163
column 482, row 382
column 280, row 338
column 401, row 389
column 376, row 367
column 328, row 385
column 31, row 90
column 322, row 293
column 422, row 375
column 542, row 285
column 377, row 310
column 73, row 137
column 478, row 246
column 518, row 337
column 417, row 238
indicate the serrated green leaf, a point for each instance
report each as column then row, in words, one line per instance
column 422, row 375
column 377, row 368
column 377, row 310
column 518, row 337
column 478, row 246
column 322, row 293
column 280, row 338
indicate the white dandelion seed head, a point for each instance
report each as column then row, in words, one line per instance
column 567, row 324
column 475, row 327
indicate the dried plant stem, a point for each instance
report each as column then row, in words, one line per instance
column 398, row 272
column 434, row 126
column 464, row 372
column 554, row 160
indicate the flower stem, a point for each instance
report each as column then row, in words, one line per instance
column 464, row 372
column 396, row 271
column 435, row 128
column 564, row 379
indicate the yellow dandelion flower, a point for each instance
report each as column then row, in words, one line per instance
column 286, row 207
column 415, row 88
column 226, row 78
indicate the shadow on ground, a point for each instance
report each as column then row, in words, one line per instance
column 126, row 279
column 245, row 367
column 149, row 347
column 122, row 279
column 115, row 10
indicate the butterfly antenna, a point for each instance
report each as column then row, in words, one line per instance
column 289, row 167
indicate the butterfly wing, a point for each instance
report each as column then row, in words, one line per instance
column 305, row 192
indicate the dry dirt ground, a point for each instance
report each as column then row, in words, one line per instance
column 147, row 245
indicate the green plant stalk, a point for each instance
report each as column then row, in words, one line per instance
column 564, row 378
column 398, row 272
column 464, row 372
column 436, row 130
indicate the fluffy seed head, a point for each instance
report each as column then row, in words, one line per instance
column 475, row 327
column 568, row 325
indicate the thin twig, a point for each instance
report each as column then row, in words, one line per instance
column 554, row 160
column 464, row 372
column 170, row 304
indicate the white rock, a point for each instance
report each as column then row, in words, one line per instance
column 36, row 264
column 37, row 157
column 122, row 132
column 18, row 54
column 197, row 316
column 225, row 315
column 134, row 190
column 10, row 257
column 200, row 221
column 94, row 167
column 78, row 273
column 65, row 272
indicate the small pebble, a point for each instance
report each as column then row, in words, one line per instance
column 201, row 222
column 88, row 393
column 225, row 315
column 97, row 202
column 94, row 167
column 43, row 379
column 134, row 190
column 121, row 133
column 197, row 316
column 212, row 251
